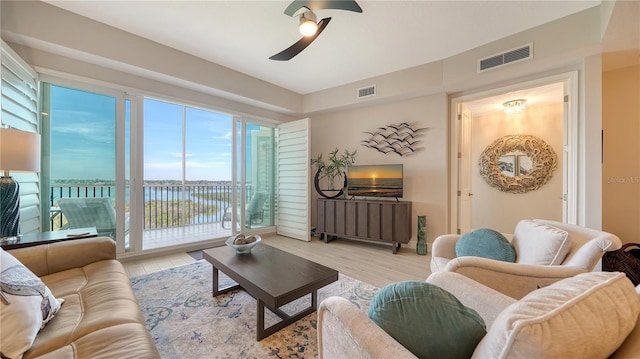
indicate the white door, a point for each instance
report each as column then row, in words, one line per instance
column 464, row 171
column 294, row 145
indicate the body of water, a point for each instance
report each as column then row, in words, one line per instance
column 198, row 195
column 385, row 187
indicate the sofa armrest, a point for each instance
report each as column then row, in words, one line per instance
column 445, row 246
column 344, row 331
column 512, row 279
column 443, row 250
column 58, row 256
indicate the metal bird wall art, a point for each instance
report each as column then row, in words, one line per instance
column 399, row 138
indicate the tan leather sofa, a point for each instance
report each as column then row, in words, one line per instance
column 100, row 316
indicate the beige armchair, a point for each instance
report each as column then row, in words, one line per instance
column 535, row 241
column 591, row 315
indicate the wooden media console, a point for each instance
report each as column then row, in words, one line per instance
column 382, row 221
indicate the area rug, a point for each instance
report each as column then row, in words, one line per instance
column 187, row 322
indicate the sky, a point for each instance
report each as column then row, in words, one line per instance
column 376, row 171
column 83, row 139
column 207, row 137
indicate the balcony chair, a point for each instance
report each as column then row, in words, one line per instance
column 546, row 252
column 254, row 213
column 90, row 212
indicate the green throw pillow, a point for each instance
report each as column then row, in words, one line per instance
column 486, row 243
column 427, row 320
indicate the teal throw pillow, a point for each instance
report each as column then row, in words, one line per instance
column 486, row 243
column 427, row 320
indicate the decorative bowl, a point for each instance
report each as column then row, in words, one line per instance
column 243, row 248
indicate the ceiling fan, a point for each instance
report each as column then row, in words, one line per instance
column 304, row 10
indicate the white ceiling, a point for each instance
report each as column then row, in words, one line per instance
column 388, row 35
column 540, row 95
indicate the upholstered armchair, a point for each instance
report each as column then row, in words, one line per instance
column 591, row 315
column 546, row 252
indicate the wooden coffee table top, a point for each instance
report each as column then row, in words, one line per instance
column 275, row 276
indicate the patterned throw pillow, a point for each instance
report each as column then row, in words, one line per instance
column 427, row 320
column 26, row 305
column 486, row 243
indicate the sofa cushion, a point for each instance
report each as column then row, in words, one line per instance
column 25, row 307
column 97, row 296
column 586, row 316
column 486, row 243
column 129, row 340
column 427, row 320
column 538, row 243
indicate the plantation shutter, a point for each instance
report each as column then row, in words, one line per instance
column 293, row 180
column 19, row 110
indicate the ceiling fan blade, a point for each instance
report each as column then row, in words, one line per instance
column 296, row 48
column 313, row 5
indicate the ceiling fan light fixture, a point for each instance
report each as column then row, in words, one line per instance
column 514, row 106
column 308, row 25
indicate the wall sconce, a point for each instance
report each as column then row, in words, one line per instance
column 514, row 106
column 19, row 152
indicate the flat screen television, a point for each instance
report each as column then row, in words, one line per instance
column 375, row 180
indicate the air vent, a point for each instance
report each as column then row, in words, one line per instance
column 367, row 91
column 508, row 57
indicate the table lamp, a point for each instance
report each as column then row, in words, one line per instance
column 19, row 152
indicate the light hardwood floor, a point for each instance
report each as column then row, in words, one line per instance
column 368, row 262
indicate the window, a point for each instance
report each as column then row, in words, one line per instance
column 187, row 169
column 174, row 179
column 81, row 136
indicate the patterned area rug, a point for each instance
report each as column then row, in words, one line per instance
column 187, row 322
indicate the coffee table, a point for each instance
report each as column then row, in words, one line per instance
column 272, row 276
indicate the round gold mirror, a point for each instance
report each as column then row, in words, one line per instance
column 518, row 163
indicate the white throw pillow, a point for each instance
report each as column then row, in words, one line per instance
column 538, row 243
column 26, row 305
column 586, row 316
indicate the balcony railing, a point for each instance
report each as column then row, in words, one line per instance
column 165, row 206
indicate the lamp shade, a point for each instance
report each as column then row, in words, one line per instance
column 19, row 150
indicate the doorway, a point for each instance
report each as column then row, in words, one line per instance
column 479, row 121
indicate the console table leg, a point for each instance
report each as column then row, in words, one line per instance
column 396, row 247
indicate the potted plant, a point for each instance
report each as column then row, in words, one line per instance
column 334, row 166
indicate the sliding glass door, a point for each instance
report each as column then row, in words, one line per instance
column 255, row 187
column 79, row 162
column 260, row 175
column 187, row 173
column 152, row 173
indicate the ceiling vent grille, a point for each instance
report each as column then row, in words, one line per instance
column 505, row 58
column 367, row 91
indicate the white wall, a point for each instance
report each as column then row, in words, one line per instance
column 567, row 44
column 499, row 210
column 38, row 24
column 621, row 165
column 425, row 172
